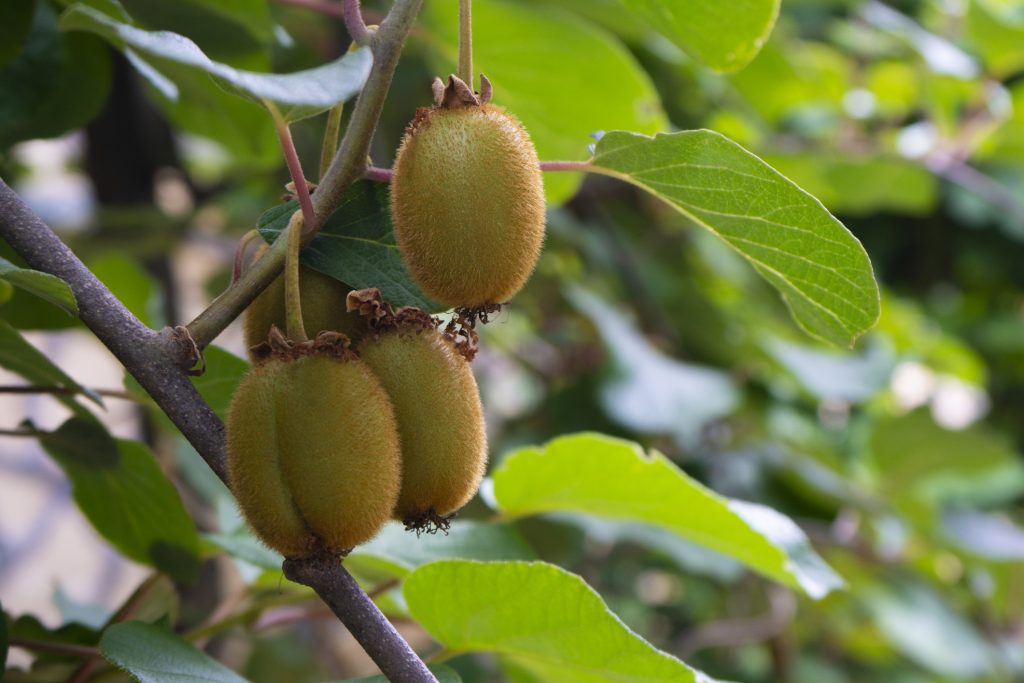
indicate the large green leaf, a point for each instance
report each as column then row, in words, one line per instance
column 535, row 57
column 47, row 287
column 156, row 655
column 297, row 95
column 722, row 35
column 996, row 30
column 131, row 284
column 23, row 359
column 356, row 245
column 615, row 479
column 545, row 619
column 122, row 491
column 55, row 84
column 821, row 270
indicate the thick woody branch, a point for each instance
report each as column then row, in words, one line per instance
column 141, row 351
column 348, row 166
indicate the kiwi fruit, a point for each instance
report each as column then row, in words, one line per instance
column 438, row 412
column 323, row 307
column 467, row 199
column 313, row 450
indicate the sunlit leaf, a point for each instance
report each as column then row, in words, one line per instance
column 615, row 479
column 543, row 618
column 45, row 286
column 724, row 36
column 821, row 270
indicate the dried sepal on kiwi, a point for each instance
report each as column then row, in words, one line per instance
column 437, row 408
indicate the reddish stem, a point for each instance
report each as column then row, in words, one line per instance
column 565, row 165
column 353, row 17
column 291, row 157
column 381, row 175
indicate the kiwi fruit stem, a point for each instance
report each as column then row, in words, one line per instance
column 292, row 298
column 466, row 41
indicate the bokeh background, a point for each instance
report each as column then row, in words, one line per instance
column 899, row 458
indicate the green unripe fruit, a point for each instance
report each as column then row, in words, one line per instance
column 313, row 453
column 440, row 421
column 323, row 308
column 467, row 202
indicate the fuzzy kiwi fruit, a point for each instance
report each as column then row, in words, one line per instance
column 323, row 307
column 467, row 199
column 312, row 450
column 440, row 419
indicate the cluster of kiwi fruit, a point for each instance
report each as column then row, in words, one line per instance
column 379, row 417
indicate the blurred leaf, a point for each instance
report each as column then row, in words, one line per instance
column 989, row 536
column 155, row 655
column 91, row 614
column 724, row 36
column 441, row 672
column 930, row 632
column 15, row 23
column 995, row 28
column 122, row 491
column 915, row 457
column 51, row 71
column 545, row 65
column 243, row 545
column 820, row 269
column 131, row 284
column 21, row 358
column 224, row 371
column 297, row 95
column 848, row 184
column 840, row 376
column 356, row 245
column 612, row 478
column 45, row 286
column 232, row 30
column 652, row 393
column 29, row 627
column 545, row 619
column 398, row 553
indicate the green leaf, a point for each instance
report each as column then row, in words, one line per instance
column 21, row 358
column 3, row 639
column 47, row 287
column 615, row 479
column 224, row 371
column 15, row 23
column 243, row 545
column 535, row 56
column 51, row 71
column 356, row 245
column 441, row 672
column 122, row 491
column 398, row 553
column 828, row 375
column 297, row 95
column 996, row 30
column 821, row 270
column 722, row 35
column 155, row 655
column 916, row 458
column 541, row 617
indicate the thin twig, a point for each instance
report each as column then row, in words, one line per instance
column 66, row 391
column 31, row 433
column 291, row 157
column 56, row 648
column 329, row 146
column 566, row 166
column 381, row 175
column 353, row 17
column 296, row 329
column 466, row 42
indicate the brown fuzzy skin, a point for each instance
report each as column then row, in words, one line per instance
column 440, row 419
column 323, row 308
column 313, row 453
column 467, row 202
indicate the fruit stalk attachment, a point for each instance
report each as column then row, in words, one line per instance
column 466, row 41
